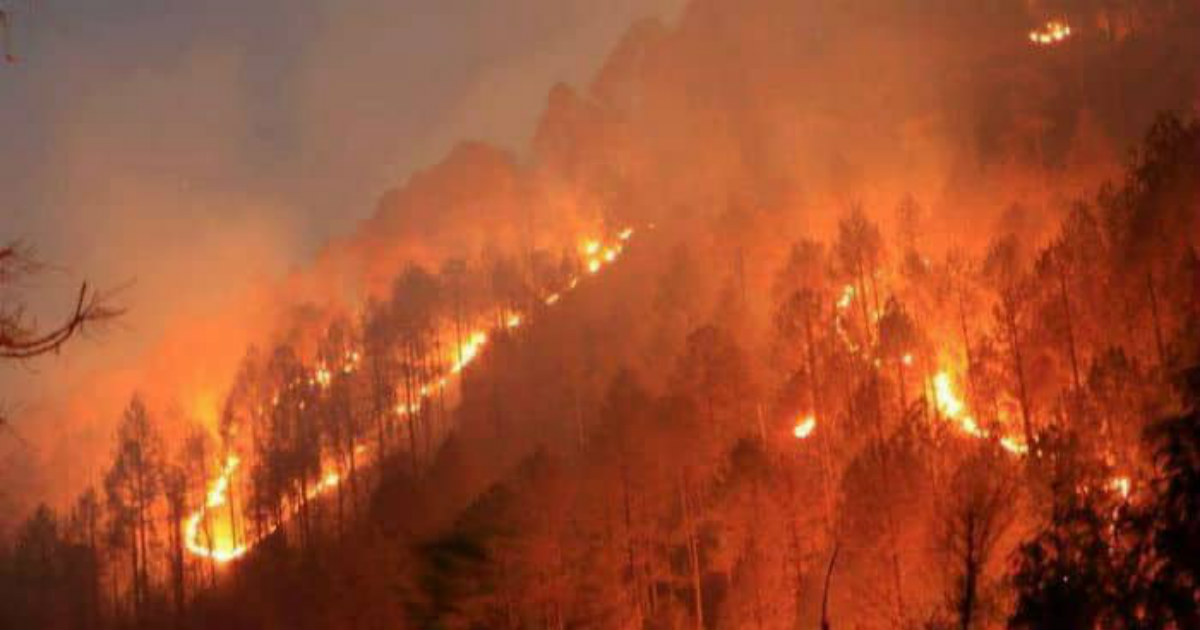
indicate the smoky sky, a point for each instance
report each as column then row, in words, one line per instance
column 195, row 147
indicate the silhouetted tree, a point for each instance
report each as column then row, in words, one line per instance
column 133, row 485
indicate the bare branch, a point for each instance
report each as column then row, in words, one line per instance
column 19, row 341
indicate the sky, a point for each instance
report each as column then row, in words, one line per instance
column 186, row 149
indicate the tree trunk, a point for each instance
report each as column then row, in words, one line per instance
column 693, row 553
column 885, row 470
column 966, row 609
column 1158, row 332
column 136, row 581
column 1074, row 354
column 828, row 581
column 862, row 302
column 972, row 392
column 814, row 392
column 1010, row 323
column 631, row 555
column 410, row 400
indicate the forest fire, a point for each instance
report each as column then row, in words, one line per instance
column 200, row 527
column 916, row 343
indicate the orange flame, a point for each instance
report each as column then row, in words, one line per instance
column 805, row 427
column 952, row 407
column 1050, row 33
column 219, row 548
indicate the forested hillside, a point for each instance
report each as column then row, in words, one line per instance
column 801, row 315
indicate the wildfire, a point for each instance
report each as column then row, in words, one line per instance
column 843, row 304
column 202, row 541
column 1122, row 485
column 597, row 253
column 469, row 350
column 323, row 377
column 1050, row 33
column 219, row 548
column 805, row 427
column 847, row 297
column 952, row 407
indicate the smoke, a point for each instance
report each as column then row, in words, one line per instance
column 205, row 154
column 214, row 163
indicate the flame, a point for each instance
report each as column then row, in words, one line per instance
column 948, row 402
column 221, row 548
column 952, row 407
column 1122, row 485
column 805, row 427
column 224, row 547
column 1050, row 33
column 469, row 350
column 847, row 297
column 843, row 305
column 323, row 377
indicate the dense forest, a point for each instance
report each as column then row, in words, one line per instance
column 729, row 401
